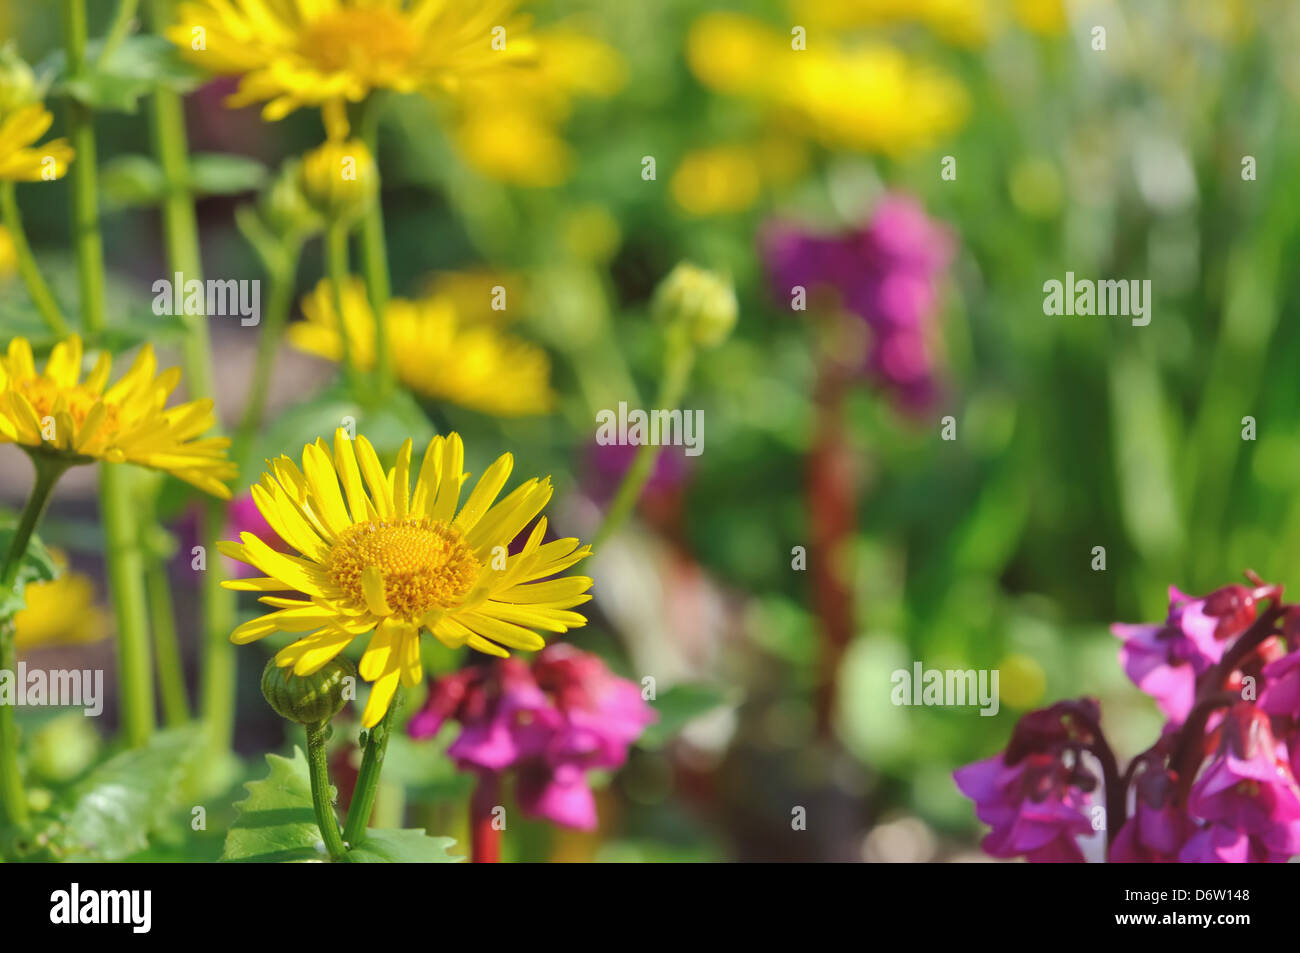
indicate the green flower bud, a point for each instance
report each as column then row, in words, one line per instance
column 285, row 208
column 308, row 699
column 702, row 301
column 339, row 179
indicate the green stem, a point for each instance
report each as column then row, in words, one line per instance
column 281, row 270
column 678, row 361
column 372, row 762
column 171, row 676
column 125, row 564
column 336, row 254
column 374, row 253
column 118, row 30
column 181, row 232
column 13, row 799
column 322, row 794
column 85, row 184
column 27, row 267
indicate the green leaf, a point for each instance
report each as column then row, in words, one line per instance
column 677, row 707
column 216, row 173
column 132, row 180
column 138, row 66
column 37, row 566
column 276, row 822
column 403, row 847
column 111, row 812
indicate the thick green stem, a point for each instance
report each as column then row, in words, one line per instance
column 126, row 563
column 13, row 799
column 27, row 267
column 374, row 253
column 181, row 233
column 678, row 361
column 84, row 175
column 166, row 646
column 372, row 762
column 322, row 793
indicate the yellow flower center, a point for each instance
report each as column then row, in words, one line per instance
column 43, row 394
column 425, row 564
column 361, row 41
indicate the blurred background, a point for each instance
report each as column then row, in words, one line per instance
column 1031, row 151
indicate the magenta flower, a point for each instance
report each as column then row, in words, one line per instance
column 1249, row 786
column 551, row 722
column 1032, row 806
column 1158, row 829
column 886, row 273
column 1164, row 660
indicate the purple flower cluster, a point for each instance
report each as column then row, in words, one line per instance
column 550, row 722
column 886, row 273
column 1218, row 786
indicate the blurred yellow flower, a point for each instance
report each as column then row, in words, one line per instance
column 437, row 351
column 867, row 97
column 385, row 561
column 507, row 124
column 716, row 180
column 960, row 22
column 1041, row 16
column 294, row 53
column 60, row 612
column 58, row 413
column 8, row 254
column 20, row 159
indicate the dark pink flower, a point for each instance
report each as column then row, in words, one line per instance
column 1248, row 786
column 1157, row 829
column 1165, row 659
column 885, row 272
column 1034, row 807
column 551, row 722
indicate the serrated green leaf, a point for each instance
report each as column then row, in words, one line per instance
column 403, row 847
column 218, row 173
column 276, row 822
column 110, row 813
column 37, row 566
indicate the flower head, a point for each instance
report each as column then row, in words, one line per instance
column 1164, row 659
column 21, row 160
column 56, row 412
column 552, row 722
column 384, row 560
column 62, row 611
column 328, row 52
column 1034, row 806
column 437, row 351
column 886, row 272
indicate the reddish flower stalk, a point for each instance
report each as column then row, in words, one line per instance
column 485, row 836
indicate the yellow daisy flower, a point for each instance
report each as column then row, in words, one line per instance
column 58, row 413
column 8, row 254
column 60, row 612
column 294, row 53
column 436, row 350
column 20, row 161
column 378, row 558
